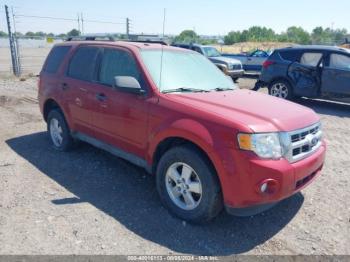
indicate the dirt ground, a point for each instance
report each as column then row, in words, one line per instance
column 90, row 202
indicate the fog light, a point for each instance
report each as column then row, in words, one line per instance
column 263, row 187
column 268, row 186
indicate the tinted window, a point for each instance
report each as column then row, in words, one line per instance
column 290, row 55
column 117, row 63
column 339, row 61
column 310, row 59
column 82, row 65
column 55, row 58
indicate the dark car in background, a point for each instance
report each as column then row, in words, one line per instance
column 229, row 66
column 308, row 71
column 251, row 61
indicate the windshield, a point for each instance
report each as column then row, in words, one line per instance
column 211, row 51
column 184, row 70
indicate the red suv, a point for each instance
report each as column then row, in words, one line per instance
column 174, row 113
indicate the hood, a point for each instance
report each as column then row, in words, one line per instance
column 226, row 60
column 257, row 111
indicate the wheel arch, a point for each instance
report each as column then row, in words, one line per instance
column 282, row 78
column 48, row 106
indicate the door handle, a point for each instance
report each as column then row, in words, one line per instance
column 101, row 97
column 64, row 86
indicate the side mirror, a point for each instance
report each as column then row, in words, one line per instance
column 128, row 84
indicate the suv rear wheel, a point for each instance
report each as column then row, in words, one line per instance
column 58, row 131
column 188, row 186
column 282, row 89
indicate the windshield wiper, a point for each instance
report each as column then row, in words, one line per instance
column 223, row 89
column 184, row 89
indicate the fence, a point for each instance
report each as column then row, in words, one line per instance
column 26, row 55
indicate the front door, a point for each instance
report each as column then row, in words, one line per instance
column 336, row 77
column 120, row 118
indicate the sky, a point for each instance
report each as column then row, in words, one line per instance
column 206, row 17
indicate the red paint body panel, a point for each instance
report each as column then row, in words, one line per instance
column 137, row 124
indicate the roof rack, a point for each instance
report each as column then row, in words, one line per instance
column 146, row 41
column 91, row 38
column 112, row 39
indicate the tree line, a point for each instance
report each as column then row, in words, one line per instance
column 40, row 34
column 293, row 34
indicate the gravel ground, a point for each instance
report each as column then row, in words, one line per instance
column 89, row 202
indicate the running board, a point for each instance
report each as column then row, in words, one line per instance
column 113, row 150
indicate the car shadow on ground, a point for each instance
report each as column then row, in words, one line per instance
column 128, row 194
column 326, row 107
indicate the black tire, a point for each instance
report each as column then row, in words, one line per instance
column 235, row 79
column 210, row 203
column 67, row 140
column 286, row 84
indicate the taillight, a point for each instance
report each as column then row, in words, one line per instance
column 267, row 63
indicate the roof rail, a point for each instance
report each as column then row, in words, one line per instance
column 146, row 41
column 91, row 38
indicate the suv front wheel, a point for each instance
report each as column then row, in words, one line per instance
column 58, row 131
column 188, row 185
column 282, row 89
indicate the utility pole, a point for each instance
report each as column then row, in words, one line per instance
column 79, row 24
column 18, row 60
column 127, row 28
column 12, row 44
column 82, row 24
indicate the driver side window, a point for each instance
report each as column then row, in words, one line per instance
column 117, row 63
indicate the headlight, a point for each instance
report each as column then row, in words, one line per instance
column 230, row 66
column 265, row 145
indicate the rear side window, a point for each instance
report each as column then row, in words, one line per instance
column 83, row 63
column 338, row 61
column 290, row 55
column 310, row 59
column 55, row 58
column 117, row 63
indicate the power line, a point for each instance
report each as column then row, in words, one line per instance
column 70, row 19
column 103, row 22
column 47, row 17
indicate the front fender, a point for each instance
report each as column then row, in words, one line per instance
column 187, row 129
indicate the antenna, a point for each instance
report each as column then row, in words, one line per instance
column 161, row 57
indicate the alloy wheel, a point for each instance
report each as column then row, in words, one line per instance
column 183, row 186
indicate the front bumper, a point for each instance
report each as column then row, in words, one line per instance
column 241, row 187
column 235, row 73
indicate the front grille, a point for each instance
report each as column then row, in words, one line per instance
column 236, row 67
column 304, row 142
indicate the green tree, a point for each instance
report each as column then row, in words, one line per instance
column 62, row 35
column 296, row 34
column 73, row 32
column 3, row 34
column 187, row 36
column 40, row 34
column 30, row 34
column 232, row 38
column 328, row 35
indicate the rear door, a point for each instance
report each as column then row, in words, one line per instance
column 120, row 118
column 336, row 76
column 306, row 73
column 78, row 85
